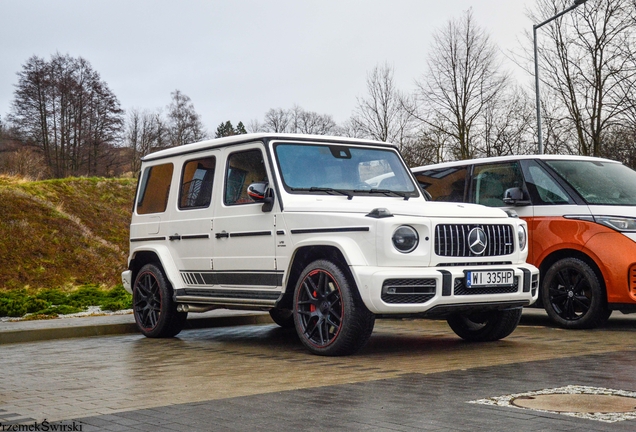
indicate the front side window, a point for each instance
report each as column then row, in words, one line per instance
column 243, row 169
column 196, row 183
column 154, row 189
column 598, row 182
column 546, row 190
column 489, row 182
column 339, row 169
column 444, row 184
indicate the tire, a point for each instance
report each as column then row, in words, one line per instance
column 155, row 312
column 572, row 295
column 282, row 317
column 485, row 326
column 329, row 315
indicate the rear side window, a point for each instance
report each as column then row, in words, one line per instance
column 196, row 183
column 154, row 189
column 444, row 184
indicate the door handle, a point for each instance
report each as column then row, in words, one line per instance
column 222, row 235
column 174, row 237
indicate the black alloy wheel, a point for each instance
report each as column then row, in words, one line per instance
column 147, row 303
column 485, row 326
column 282, row 317
column 572, row 295
column 155, row 313
column 320, row 308
column 329, row 315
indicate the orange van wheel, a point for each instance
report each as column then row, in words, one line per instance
column 572, row 295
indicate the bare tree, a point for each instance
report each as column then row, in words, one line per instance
column 351, row 129
column 588, row 68
column 184, row 124
column 145, row 132
column 463, row 78
column 295, row 120
column 507, row 124
column 619, row 145
column 64, row 108
column 255, row 126
column 24, row 162
column 310, row 122
column 381, row 115
column 276, row 120
column 422, row 149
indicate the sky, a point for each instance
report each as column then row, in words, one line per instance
column 236, row 59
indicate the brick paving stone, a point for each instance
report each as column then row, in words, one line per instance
column 413, row 375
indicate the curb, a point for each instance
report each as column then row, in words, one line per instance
column 45, row 334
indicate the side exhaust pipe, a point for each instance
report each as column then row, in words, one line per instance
column 184, row 307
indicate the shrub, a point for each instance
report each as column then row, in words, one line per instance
column 117, row 299
column 34, row 304
column 13, row 303
column 53, row 302
column 87, row 295
column 12, row 308
column 51, row 295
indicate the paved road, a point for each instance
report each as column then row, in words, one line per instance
column 413, row 375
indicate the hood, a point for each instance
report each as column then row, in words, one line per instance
column 397, row 206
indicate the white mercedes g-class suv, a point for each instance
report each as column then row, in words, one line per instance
column 326, row 234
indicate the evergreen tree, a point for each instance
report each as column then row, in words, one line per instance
column 226, row 129
column 240, row 129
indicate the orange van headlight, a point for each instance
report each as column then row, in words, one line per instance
column 617, row 223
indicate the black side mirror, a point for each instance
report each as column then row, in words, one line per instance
column 515, row 197
column 268, row 201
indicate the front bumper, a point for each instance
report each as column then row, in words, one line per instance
column 412, row 290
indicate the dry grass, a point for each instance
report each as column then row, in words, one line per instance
column 63, row 233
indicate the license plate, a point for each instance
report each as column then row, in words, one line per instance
column 489, row 278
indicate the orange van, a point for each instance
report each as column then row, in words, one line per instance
column 581, row 215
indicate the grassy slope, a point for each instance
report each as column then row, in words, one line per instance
column 63, row 233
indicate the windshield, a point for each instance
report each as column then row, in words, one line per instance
column 599, row 182
column 343, row 170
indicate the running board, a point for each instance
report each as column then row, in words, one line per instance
column 259, row 298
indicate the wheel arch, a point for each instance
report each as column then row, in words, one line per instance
column 560, row 254
column 158, row 256
column 301, row 258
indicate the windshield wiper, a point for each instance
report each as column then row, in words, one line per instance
column 329, row 191
column 387, row 192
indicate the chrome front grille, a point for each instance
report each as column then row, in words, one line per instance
column 451, row 240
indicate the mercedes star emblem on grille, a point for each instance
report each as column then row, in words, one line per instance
column 477, row 241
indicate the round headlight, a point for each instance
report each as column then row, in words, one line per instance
column 523, row 238
column 405, row 239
